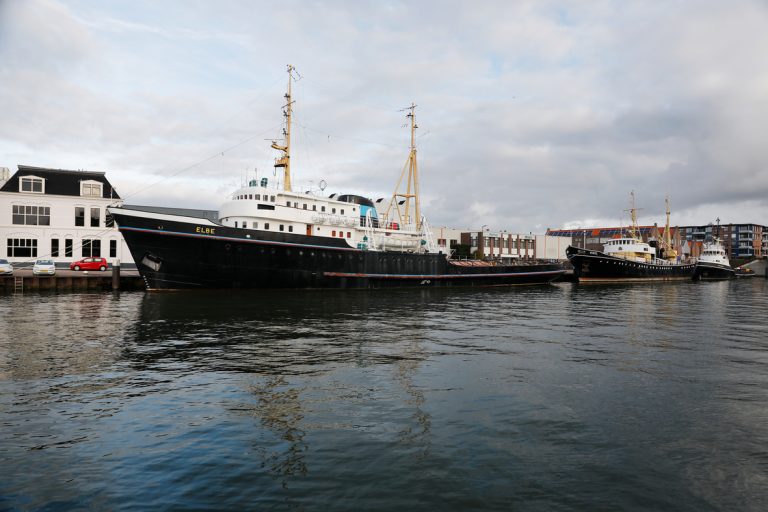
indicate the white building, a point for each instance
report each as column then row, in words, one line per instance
column 447, row 238
column 58, row 214
column 507, row 246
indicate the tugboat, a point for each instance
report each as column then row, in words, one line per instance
column 713, row 263
column 271, row 238
column 628, row 258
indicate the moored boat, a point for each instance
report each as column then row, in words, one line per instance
column 628, row 258
column 713, row 263
column 266, row 237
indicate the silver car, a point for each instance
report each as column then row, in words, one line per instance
column 44, row 268
column 6, row 269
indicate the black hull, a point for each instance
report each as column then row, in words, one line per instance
column 176, row 254
column 713, row 271
column 595, row 266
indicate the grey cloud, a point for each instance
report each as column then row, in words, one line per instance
column 530, row 113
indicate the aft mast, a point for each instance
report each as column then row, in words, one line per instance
column 412, row 187
column 285, row 160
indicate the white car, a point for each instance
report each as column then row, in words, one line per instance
column 44, row 268
column 6, row 269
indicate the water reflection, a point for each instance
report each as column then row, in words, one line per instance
column 51, row 335
column 555, row 397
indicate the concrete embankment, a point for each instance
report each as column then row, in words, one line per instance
column 67, row 280
column 759, row 267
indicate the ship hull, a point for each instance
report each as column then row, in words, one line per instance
column 596, row 266
column 180, row 253
column 713, row 271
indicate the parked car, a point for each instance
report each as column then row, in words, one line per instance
column 44, row 268
column 89, row 264
column 6, row 269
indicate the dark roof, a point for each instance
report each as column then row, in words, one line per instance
column 187, row 212
column 601, row 232
column 60, row 182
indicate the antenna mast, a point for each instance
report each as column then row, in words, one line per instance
column 412, row 187
column 285, row 160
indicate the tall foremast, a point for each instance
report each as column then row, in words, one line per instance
column 412, row 186
column 284, row 161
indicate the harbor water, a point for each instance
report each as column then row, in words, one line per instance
column 559, row 397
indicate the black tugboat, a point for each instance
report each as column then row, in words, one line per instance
column 629, row 259
column 270, row 238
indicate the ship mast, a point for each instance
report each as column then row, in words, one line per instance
column 633, row 231
column 667, row 237
column 412, row 187
column 284, row 161
column 670, row 252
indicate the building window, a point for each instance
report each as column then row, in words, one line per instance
column 79, row 216
column 342, row 211
column 271, row 198
column 255, row 225
column 333, row 233
column 68, row 248
column 95, row 219
column 333, row 210
column 266, row 225
column 349, row 235
column 281, row 227
column 290, row 229
column 109, row 221
column 305, row 206
column 91, row 248
column 288, row 203
column 113, row 248
column 322, row 208
column 54, row 247
column 314, row 207
column 22, row 248
column 90, row 189
column 31, row 184
column 31, row 215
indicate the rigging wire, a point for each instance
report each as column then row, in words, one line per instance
column 204, row 160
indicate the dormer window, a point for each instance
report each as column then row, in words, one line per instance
column 32, row 184
column 90, row 188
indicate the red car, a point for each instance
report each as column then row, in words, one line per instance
column 89, row 264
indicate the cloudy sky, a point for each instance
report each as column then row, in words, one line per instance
column 532, row 114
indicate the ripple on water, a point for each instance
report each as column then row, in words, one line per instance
column 560, row 397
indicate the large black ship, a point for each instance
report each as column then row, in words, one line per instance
column 267, row 237
column 629, row 258
column 597, row 266
column 173, row 252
